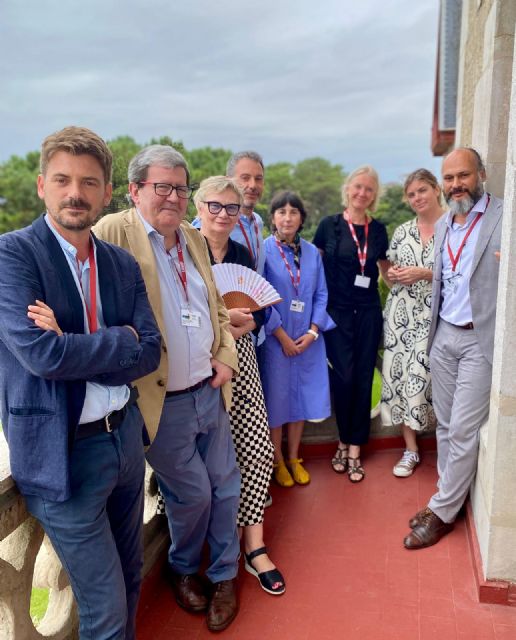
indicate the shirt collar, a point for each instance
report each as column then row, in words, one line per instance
column 247, row 220
column 65, row 245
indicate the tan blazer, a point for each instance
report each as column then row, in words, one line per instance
column 126, row 230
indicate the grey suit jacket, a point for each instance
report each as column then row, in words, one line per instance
column 483, row 282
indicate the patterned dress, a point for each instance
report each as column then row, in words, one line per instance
column 406, row 386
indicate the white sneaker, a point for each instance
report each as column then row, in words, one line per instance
column 406, row 465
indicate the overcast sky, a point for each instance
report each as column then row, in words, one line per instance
column 349, row 80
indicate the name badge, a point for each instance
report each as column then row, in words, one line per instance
column 190, row 318
column 362, row 281
column 297, row 305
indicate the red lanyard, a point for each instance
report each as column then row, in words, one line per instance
column 91, row 309
column 248, row 242
column 295, row 281
column 182, row 269
column 362, row 253
column 455, row 258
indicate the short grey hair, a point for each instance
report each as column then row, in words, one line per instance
column 232, row 162
column 368, row 170
column 217, row 184
column 160, row 155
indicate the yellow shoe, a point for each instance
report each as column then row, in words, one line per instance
column 282, row 475
column 299, row 473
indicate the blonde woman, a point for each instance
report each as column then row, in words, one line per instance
column 353, row 246
column 406, row 387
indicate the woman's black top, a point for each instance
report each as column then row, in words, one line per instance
column 340, row 260
column 238, row 254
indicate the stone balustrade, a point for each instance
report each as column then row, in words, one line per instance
column 27, row 560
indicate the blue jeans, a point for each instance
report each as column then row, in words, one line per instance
column 97, row 533
column 194, row 460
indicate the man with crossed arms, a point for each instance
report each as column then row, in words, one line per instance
column 75, row 328
column 184, row 402
column 461, row 340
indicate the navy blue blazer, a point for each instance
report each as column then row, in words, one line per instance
column 42, row 375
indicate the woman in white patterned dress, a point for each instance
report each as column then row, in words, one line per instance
column 406, row 388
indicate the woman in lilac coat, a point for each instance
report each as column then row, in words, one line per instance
column 294, row 369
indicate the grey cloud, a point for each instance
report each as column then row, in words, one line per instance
column 349, row 81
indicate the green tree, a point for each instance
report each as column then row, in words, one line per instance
column 206, row 162
column 123, row 149
column 21, row 204
column 392, row 210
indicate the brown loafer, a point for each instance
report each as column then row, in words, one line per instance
column 189, row 591
column 223, row 606
column 429, row 531
column 418, row 518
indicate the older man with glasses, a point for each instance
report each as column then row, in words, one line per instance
column 184, row 402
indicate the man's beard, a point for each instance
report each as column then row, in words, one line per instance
column 464, row 205
column 80, row 222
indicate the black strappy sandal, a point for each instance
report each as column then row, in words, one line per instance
column 271, row 581
column 339, row 462
column 355, row 468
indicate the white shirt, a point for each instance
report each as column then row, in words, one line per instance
column 100, row 399
column 189, row 348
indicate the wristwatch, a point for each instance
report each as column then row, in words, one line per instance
column 313, row 333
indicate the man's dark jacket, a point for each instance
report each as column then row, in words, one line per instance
column 42, row 375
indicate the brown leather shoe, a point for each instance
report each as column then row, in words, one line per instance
column 223, row 605
column 189, row 591
column 429, row 531
column 417, row 519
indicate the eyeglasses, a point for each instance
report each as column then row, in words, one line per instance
column 164, row 189
column 216, row 207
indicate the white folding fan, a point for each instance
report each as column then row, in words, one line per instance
column 240, row 286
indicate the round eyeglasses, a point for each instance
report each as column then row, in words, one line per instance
column 216, row 207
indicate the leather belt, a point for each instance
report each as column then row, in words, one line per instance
column 108, row 423
column 195, row 387
column 467, row 326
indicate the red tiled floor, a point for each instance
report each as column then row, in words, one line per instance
column 340, row 548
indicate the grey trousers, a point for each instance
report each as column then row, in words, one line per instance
column 461, row 386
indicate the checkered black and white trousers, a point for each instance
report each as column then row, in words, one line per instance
column 250, row 431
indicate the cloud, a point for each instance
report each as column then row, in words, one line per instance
column 352, row 82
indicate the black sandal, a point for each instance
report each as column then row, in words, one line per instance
column 340, row 459
column 271, row 581
column 355, row 467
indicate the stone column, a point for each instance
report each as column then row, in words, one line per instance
column 494, row 494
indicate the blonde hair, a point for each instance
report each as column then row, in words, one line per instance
column 217, row 184
column 364, row 169
column 424, row 176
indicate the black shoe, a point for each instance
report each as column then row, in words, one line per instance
column 271, row 581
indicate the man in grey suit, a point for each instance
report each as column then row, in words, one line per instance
column 461, row 341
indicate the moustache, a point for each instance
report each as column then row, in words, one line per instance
column 457, row 190
column 74, row 203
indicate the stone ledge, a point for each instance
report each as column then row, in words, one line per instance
column 489, row 591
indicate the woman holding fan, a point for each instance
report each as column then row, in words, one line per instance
column 294, row 370
column 218, row 202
